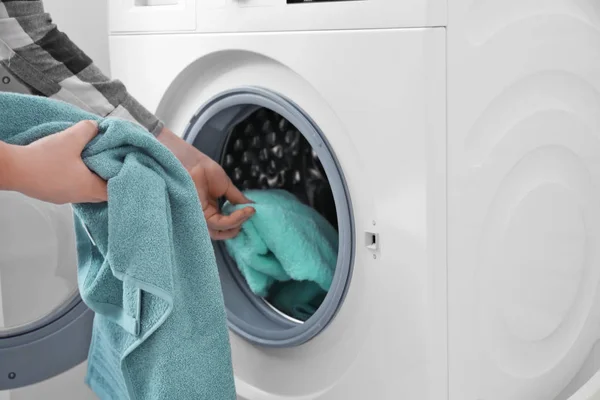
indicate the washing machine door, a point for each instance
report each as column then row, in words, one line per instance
column 45, row 328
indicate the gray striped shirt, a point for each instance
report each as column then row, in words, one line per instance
column 47, row 63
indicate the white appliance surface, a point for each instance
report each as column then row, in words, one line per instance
column 467, row 133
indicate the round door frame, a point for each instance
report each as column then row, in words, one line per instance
column 49, row 346
column 254, row 319
column 49, row 350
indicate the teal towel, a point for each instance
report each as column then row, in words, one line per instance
column 287, row 252
column 147, row 268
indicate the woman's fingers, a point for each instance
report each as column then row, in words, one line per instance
column 220, row 222
column 98, row 188
column 224, row 235
column 235, row 196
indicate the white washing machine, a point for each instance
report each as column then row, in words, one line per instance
column 455, row 146
column 369, row 99
column 461, row 142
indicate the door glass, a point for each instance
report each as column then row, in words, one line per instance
column 38, row 262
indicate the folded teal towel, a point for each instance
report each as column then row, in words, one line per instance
column 147, row 268
column 287, row 252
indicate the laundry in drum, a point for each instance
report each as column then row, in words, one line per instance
column 287, row 252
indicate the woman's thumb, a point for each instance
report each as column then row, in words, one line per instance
column 82, row 132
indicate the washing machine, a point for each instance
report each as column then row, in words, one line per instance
column 453, row 144
column 343, row 104
column 457, row 144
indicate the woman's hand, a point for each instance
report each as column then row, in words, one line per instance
column 51, row 169
column 211, row 183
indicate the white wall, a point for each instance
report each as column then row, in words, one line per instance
column 86, row 23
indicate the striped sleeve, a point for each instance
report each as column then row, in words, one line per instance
column 49, row 64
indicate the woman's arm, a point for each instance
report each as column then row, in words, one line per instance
column 44, row 59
